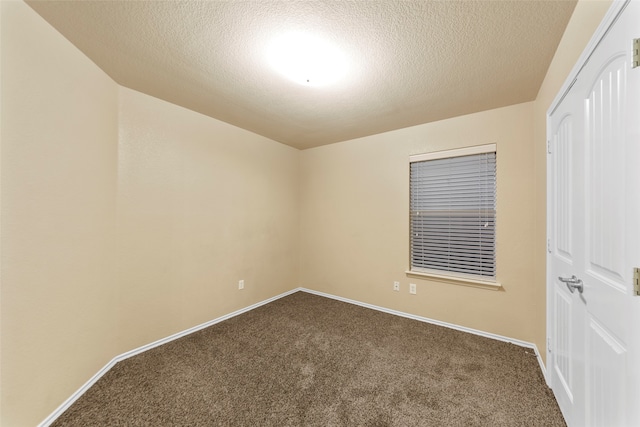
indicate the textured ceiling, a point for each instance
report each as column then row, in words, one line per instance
column 410, row 62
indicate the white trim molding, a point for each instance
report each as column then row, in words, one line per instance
column 611, row 16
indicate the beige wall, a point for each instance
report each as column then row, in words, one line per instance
column 201, row 204
column 59, row 124
column 354, row 223
column 584, row 21
column 125, row 219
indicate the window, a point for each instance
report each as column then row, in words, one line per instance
column 453, row 213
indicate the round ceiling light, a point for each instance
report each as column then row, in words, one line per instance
column 306, row 59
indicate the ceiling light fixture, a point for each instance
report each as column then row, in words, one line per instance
column 306, row 59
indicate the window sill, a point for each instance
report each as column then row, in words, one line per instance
column 455, row 280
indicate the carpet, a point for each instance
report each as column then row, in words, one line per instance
column 306, row 360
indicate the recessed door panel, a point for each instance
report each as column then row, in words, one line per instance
column 606, row 370
column 562, row 344
column 606, row 186
column 563, row 173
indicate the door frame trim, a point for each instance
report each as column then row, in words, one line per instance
column 609, row 19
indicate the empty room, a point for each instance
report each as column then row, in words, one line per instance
column 322, row 213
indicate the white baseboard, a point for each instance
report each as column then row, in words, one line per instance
column 75, row 396
column 439, row 323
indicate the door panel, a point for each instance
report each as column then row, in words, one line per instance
column 594, row 197
column 606, row 279
column 565, row 258
column 611, row 191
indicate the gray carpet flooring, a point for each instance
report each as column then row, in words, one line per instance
column 305, row 360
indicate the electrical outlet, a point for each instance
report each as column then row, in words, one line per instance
column 412, row 288
column 241, row 284
column 396, row 286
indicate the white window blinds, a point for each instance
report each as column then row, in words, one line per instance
column 453, row 212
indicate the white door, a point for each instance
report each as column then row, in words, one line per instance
column 594, row 236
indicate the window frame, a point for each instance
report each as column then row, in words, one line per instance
column 490, row 282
